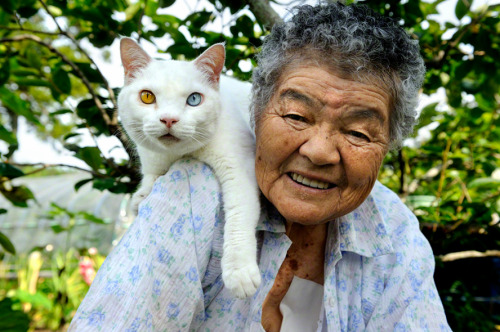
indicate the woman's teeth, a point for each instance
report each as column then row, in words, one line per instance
column 308, row 182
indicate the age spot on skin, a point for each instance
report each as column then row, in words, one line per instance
column 294, row 265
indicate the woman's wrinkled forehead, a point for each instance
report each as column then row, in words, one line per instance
column 340, row 68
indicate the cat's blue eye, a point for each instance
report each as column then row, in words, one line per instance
column 194, row 99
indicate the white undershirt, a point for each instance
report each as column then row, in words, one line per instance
column 302, row 307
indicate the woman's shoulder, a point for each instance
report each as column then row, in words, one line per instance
column 402, row 226
column 189, row 169
column 400, row 221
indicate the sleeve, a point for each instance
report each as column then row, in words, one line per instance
column 154, row 278
column 409, row 300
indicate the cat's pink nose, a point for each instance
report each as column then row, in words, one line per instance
column 169, row 122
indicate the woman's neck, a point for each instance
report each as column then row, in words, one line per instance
column 307, row 252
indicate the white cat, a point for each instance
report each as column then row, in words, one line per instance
column 172, row 109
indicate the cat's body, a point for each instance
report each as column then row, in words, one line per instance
column 190, row 117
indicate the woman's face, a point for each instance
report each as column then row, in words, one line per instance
column 320, row 144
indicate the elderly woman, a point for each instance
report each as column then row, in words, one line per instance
column 336, row 87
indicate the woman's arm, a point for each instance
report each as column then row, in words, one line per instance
column 155, row 277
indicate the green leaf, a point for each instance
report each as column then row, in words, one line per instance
column 484, row 183
column 69, row 135
column 165, row 3
column 21, row 81
column 81, row 183
column 17, row 105
column 18, row 195
column 462, row 8
column 245, row 25
column 6, row 244
column 33, row 56
column 12, row 320
column 91, row 155
column 9, row 171
column 92, row 218
column 63, row 111
column 132, row 10
column 4, row 71
column 182, row 49
column 37, row 300
column 92, row 74
column 427, row 114
column 3, row 211
column 7, row 136
column 24, row 72
column 199, row 19
column 58, row 228
column 9, row 5
column 61, row 80
column 87, row 110
column 112, row 185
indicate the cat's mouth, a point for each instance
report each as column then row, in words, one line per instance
column 169, row 138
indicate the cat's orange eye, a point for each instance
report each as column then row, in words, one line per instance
column 147, row 97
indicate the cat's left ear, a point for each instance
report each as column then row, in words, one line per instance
column 134, row 58
column 211, row 62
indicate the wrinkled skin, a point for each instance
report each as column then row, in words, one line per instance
column 335, row 133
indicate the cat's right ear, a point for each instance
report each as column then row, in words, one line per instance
column 134, row 58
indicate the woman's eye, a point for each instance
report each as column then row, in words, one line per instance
column 358, row 134
column 147, row 97
column 295, row 117
column 194, row 99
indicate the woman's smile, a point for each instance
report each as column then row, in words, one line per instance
column 320, row 145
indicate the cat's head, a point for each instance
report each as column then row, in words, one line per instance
column 167, row 104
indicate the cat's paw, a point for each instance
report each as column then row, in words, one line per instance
column 242, row 281
column 137, row 198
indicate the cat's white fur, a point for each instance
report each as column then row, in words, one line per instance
column 216, row 132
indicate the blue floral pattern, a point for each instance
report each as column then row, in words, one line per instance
column 165, row 275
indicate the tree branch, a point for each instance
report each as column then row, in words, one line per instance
column 264, row 13
column 112, row 123
column 468, row 254
column 44, row 166
column 29, row 30
column 77, row 44
column 64, row 58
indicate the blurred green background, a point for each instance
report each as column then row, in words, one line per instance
column 66, row 168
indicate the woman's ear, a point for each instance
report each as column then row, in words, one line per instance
column 211, row 62
column 134, row 58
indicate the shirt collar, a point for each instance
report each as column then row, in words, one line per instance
column 363, row 231
column 270, row 219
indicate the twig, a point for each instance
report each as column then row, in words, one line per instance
column 112, row 123
column 44, row 166
column 468, row 254
column 443, row 175
column 84, row 79
column 29, row 30
column 77, row 44
column 437, row 61
column 402, row 170
column 264, row 13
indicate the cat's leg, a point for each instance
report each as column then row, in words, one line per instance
column 153, row 165
column 144, row 189
column 240, row 271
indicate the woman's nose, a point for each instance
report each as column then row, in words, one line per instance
column 321, row 149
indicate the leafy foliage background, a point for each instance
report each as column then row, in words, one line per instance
column 451, row 180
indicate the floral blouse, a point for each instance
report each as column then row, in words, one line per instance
column 165, row 274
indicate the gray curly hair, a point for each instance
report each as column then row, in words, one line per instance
column 354, row 41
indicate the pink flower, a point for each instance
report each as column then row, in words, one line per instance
column 87, row 270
